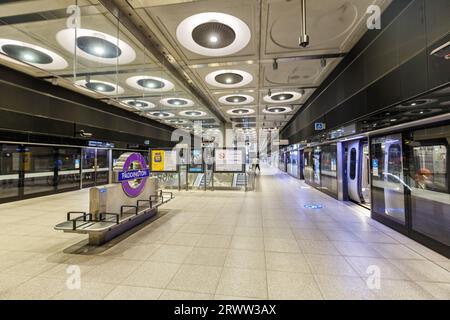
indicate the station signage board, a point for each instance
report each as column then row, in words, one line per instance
column 163, row 160
column 319, row 126
column 133, row 181
column 229, row 160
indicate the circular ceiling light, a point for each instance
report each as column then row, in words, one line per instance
column 213, row 34
column 192, row 113
column 150, row 84
column 283, row 97
column 139, row 104
column 96, row 46
column 229, row 78
column 161, row 114
column 422, row 112
column 236, row 99
column 177, row 121
column 32, row 54
column 240, row 111
column 417, row 103
column 177, row 102
column 103, row 87
column 277, row 110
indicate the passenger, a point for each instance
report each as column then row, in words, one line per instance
column 423, row 178
column 255, row 164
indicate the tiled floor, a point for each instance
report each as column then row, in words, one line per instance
column 220, row 245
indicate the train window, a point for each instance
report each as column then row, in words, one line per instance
column 394, row 163
column 353, row 163
column 430, row 168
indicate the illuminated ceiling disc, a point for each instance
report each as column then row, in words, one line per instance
column 96, row 46
column 229, row 78
column 150, row 84
column 213, row 34
column 277, row 110
column 32, row 54
column 416, row 103
column 283, row 97
column 177, row 102
column 177, row 121
column 236, row 99
column 139, row 104
column 192, row 113
column 240, row 111
column 102, row 87
column 161, row 114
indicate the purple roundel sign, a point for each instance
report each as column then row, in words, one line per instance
column 138, row 177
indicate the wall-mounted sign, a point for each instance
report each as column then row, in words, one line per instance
column 134, row 174
column 229, row 160
column 100, row 144
column 196, row 161
column 375, row 167
column 319, row 126
column 163, row 160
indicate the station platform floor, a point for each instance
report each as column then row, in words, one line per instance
column 220, row 245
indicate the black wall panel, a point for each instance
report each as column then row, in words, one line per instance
column 384, row 68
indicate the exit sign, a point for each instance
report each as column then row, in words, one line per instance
column 318, row 126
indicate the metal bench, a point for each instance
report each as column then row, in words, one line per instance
column 104, row 226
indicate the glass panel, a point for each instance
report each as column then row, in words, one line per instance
column 329, row 169
column 68, row 168
column 102, row 174
column 365, row 183
column 39, row 167
column 10, row 163
column 308, row 170
column 353, row 163
column 429, row 182
column 387, row 177
column 316, row 165
column 88, row 165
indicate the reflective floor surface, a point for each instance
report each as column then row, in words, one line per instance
column 220, row 245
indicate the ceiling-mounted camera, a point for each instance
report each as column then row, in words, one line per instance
column 84, row 134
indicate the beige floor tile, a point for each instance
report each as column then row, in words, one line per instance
column 184, row 239
column 318, row 247
column 344, row 288
column 396, row 251
column 247, row 243
column 356, row 249
column 134, row 293
column 401, row 290
column 245, row 259
column 207, row 256
column 287, row 262
column 437, row 290
column 309, row 234
column 248, row 231
column 220, row 229
column 222, row 297
column 292, row 286
column 278, row 233
column 243, row 283
column 171, row 253
column 281, row 245
column 184, row 295
column 387, row 270
column 35, row 289
column 330, row 265
column 196, row 278
column 112, row 271
column 88, row 291
column 422, row 270
column 131, row 251
column 9, row 281
column 152, row 274
column 214, row 241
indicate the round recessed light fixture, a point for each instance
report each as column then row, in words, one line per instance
column 277, row 110
column 103, row 87
column 150, row 84
column 177, row 102
column 177, row 121
column 240, row 111
column 192, row 113
column 161, row 114
column 213, row 34
column 416, row 103
column 229, row 78
column 283, row 97
column 139, row 104
column 96, row 46
column 236, row 99
column 32, row 54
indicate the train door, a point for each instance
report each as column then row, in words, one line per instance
column 365, row 174
column 354, row 170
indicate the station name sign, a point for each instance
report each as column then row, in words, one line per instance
column 133, row 174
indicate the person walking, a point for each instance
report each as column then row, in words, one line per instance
column 256, row 164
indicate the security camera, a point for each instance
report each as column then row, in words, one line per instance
column 303, row 41
column 84, row 134
column 442, row 51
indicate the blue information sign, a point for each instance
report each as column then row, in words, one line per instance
column 133, row 174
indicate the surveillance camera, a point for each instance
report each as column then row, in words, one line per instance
column 85, row 134
column 442, row 51
column 303, row 41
